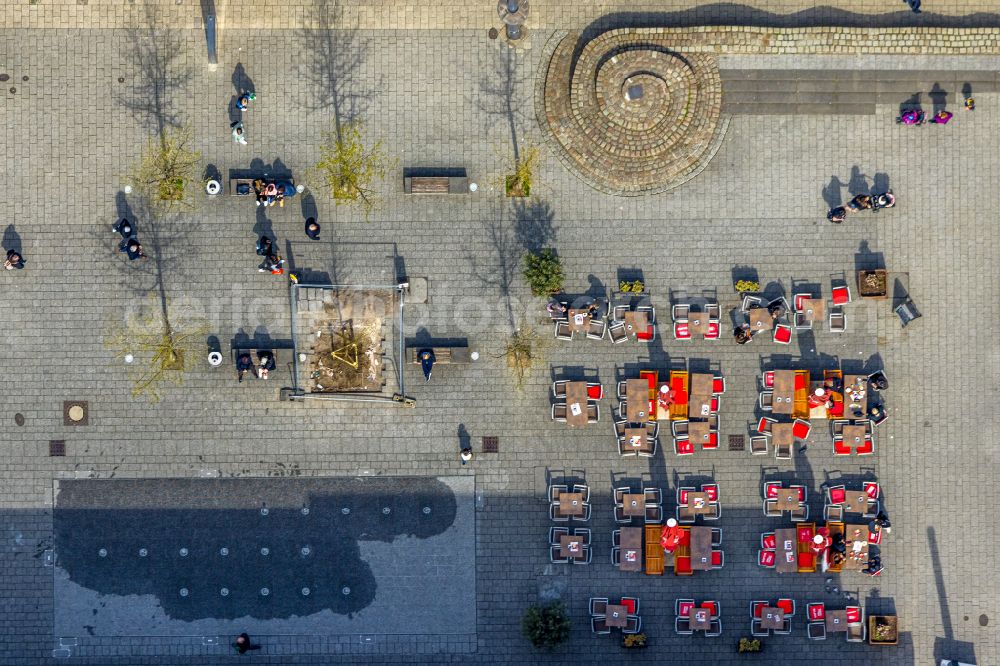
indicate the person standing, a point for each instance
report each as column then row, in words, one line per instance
column 125, row 228
column 244, row 644
column 265, row 247
column 244, row 100
column 312, row 228
column 14, row 260
column 133, row 248
column 238, row 134
column 942, row 117
column 466, row 454
column 914, row 5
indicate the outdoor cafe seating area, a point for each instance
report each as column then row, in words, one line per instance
column 695, row 616
column 623, row 615
column 576, row 403
column 691, row 322
column 767, row 618
column 808, row 309
column 622, row 320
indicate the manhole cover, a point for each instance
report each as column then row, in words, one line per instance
column 57, row 447
column 75, row 413
column 491, row 444
column 737, row 443
column 19, row 419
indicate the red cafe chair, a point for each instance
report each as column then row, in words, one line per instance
column 771, row 489
column 788, row 606
column 783, row 334
column 768, row 541
column 765, row 558
column 872, row 490
column 816, row 611
column 853, row 614
column 682, row 331
column 801, row 429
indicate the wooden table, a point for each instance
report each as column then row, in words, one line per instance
column 760, row 319
column 635, row 432
column 698, row 432
column 698, row 323
column 836, row 620
column 701, row 384
column 576, row 394
column 579, row 320
column 861, row 562
column 699, row 406
column 616, row 615
column 855, row 501
column 636, row 322
column 787, row 499
column 781, row 434
column 701, row 548
column 571, row 504
column 692, row 501
column 854, row 435
column 812, row 308
column 784, row 544
column 566, row 548
column 784, row 392
column 772, row 618
column 631, row 542
column 634, row 505
column 701, row 618
column 637, row 400
column 862, row 402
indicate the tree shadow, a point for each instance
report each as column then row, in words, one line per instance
column 939, row 98
column 832, row 192
column 500, row 269
column 11, row 239
column 335, row 56
column 533, row 224
column 157, row 55
column 502, row 98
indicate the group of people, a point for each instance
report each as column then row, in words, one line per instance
column 273, row 262
column 744, row 334
column 245, row 364
column 558, row 310
column 860, row 202
column 130, row 245
column 242, row 103
column 268, row 194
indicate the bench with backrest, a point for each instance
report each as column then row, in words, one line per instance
column 442, row 355
column 243, row 187
column 654, row 551
column 435, row 185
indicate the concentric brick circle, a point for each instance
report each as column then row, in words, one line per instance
column 629, row 114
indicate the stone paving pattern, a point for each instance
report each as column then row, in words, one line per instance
column 760, row 202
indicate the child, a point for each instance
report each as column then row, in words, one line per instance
column 244, row 101
column 238, row 136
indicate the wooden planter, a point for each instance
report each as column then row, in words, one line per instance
column 893, row 634
column 873, row 283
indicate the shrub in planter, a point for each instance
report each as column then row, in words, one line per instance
column 749, row 645
column 634, row 287
column 546, row 626
column 634, row 640
column 543, row 272
column 746, row 286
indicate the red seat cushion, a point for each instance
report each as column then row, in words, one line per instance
column 762, row 425
column 681, row 330
column 787, row 605
column 650, row 377
column 595, row 392
column 630, row 605
column 840, row 295
column 680, row 397
column 684, row 608
column 769, row 541
column 713, row 330
column 782, row 334
column 800, row 430
column 712, row 491
column 685, row 447
column 718, row 385
column 713, row 441
column 710, row 605
column 817, row 611
column 647, row 334
column 798, row 301
column 872, row 490
column 853, row 614
column 768, row 380
column 677, row 384
column 652, row 408
column 766, row 558
column 837, row 409
column 837, row 495
column 772, row 490
column 716, row 559
column 685, row 539
column 807, row 560
column 715, row 404
column 840, row 448
column 682, row 564
column 805, row 534
column 800, row 382
column 683, row 498
column 758, row 608
column 867, row 447
column 802, row 493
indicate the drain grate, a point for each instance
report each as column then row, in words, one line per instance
column 737, row 443
column 491, row 444
column 57, row 447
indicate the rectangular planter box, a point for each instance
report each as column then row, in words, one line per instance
column 890, row 620
column 880, row 291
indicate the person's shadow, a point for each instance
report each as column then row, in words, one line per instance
column 464, row 438
column 11, row 239
column 832, row 192
column 242, row 80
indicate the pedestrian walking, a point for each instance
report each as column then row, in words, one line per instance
column 970, row 104
column 125, row 228
column 244, row 101
column 238, row 135
column 243, row 644
column 273, row 263
column 466, row 454
column 914, row 5
column 14, row 260
column 312, row 228
column 133, row 248
column 264, row 246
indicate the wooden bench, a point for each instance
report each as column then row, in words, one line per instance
column 805, row 547
column 435, row 185
column 442, row 355
column 234, row 184
column 835, row 529
column 654, row 551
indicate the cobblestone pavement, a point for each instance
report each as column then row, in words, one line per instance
column 81, row 117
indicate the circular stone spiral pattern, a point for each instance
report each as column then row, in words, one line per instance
column 630, row 115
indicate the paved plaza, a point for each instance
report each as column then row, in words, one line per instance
column 439, row 93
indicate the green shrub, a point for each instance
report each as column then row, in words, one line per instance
column 543, row 272
column 744, row 286
column 748, row 645
column 546, row 626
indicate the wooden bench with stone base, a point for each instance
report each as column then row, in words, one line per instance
column 442, row 355
column 435, row 185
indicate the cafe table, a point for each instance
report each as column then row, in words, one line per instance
column 576, row 403
column 787, row 499
column 772, row 618
column 637, row 400
column 855, row 395
column 701, row 548
column 699, row 432
column 781, row 434
column 786, row 556
column 635, row 439
column 698, row 323
column 701, row 618
column 836, row 620
column 783, row 401
column 616, row 615
column 854, row 435
column 760, row 319
column 698, row 503
column 636, row 321
column 699, row 406
column 855, row 501
column 571, row 504
column 579, row 320
column 700, row 384
column 631, row 551
column 634, row 504
column 812, row 308
column 571, row 546
column 856, row 540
